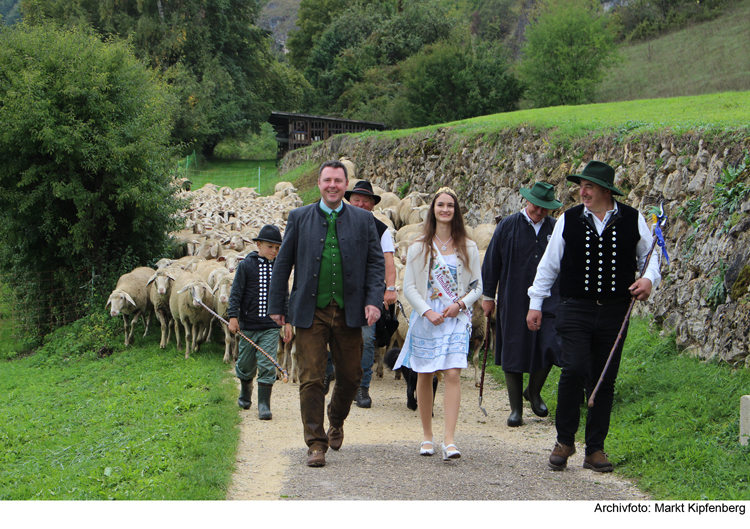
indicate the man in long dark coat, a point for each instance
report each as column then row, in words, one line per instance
column 508, row 271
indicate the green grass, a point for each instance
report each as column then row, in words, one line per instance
column 236, row 173
column 705, row 58
column 675, row 420
column 715, row 113
column 140, row 423
column 305, row 179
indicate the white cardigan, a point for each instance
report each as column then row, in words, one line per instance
column 417, row 274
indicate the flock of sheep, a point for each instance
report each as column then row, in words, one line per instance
column 220, row 224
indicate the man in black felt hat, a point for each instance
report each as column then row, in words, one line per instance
column 508, row 271
column 595, row 250
column 362, row 196
column 248, row 311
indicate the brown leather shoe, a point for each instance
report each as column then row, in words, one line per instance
column 316, row 458
column 558, row 459
column 335, row 437
column 598, row 462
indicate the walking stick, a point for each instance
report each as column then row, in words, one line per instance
column 657, row 234
column 484, row 366
column 284, row 374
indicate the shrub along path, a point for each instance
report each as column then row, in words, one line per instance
column 380, row 457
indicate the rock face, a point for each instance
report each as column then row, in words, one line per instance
column 704, row 294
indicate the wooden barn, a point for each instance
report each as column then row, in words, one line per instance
column 300, row 130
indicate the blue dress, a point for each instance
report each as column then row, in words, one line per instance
column 429, row 348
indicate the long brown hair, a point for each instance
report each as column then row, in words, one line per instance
column 458, row 231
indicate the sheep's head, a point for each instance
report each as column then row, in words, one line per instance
column 117, row 300
column 224, row 288
column 161, row 280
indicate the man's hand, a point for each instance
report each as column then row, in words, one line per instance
column 287, row 332
column 534, row 319
column 641, row 289
column 278, row 318
column 372, row 313
column 389, row 298
column 488, row 306
column 233, row 326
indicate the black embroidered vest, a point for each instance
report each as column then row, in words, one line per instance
column 595, row 267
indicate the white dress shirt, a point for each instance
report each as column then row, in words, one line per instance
column 549, row 266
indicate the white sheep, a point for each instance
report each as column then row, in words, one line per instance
column 186, row 311
column 159, row 291
column 221, row 293
column 130, row 298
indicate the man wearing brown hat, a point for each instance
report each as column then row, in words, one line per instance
column 363, row 197
column 508, row 270
column 595, row 251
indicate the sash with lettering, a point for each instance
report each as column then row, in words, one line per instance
column 445, row 287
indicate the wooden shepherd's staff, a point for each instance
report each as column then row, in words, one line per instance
column 659, row 220
column 284, row 374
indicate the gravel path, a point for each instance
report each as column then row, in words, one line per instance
column 380, row 457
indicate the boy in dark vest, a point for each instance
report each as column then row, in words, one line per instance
column 596, row 249
column 248, row 311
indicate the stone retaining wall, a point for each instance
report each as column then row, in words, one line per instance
column 487, row 172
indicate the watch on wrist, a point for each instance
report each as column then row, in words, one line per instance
column 391, row 289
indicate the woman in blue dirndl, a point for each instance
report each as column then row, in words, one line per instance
column 442, row 281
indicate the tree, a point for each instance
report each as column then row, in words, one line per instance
column 568, row 49
column 450, row 81
column 85, row 166
column 313, row 17
column 366, row 36
column 218, row 60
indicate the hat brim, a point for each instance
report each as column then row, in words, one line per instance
column 348, row 194
column 547, row 204
column 576, row 179
column 267, row 240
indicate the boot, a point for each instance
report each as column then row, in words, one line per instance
column 327, row 383
column 363, row 398
column 532, row 393
column 514, row 382
column 246, row 393
column 264, row 401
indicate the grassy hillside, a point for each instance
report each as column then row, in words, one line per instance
column 714, row 112
column 706, row 58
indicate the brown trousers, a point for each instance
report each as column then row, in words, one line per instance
column 329, row 329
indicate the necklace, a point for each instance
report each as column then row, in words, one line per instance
column 444, row 247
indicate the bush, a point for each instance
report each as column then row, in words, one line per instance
column 85, row 181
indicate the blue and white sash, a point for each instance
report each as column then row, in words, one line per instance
column 445, row 286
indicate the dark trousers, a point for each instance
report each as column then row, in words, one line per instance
column 329, row 329
column 588, row 332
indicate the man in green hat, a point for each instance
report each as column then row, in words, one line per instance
column 508, row 270
column 595, row 251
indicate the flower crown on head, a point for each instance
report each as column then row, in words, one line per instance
column 445, row 190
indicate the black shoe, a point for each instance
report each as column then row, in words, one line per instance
column 327, row 383
column 246, row 392
column 264, row 401
column 363, row 397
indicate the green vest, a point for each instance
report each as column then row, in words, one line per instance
column 331, row 276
